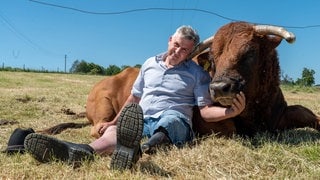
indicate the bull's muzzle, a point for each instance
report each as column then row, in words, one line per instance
column 223, row 91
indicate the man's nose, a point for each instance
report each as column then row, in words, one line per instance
column 178, row 50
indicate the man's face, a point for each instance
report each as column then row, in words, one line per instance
column 179, row 49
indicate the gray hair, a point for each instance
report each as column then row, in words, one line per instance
column 189, row 33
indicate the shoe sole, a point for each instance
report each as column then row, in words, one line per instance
column 45, row 149
column 129, row 134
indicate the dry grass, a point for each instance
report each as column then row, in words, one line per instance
column 38, row 100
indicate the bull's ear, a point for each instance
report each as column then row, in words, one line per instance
column 204, row 61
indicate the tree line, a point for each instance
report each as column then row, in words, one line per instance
column 83, row 67
column 307, row 78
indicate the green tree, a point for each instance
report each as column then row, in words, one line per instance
column 286, row 79
column 79, row 67
column 96, row 69
column 86, row 68
column 112, row 70
column 307, row 78
column 74, row 66
column 137, row 65
column 124, row 67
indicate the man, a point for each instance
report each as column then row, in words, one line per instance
column 167, row 88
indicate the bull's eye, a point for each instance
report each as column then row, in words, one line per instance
column 250, row 56
column 247, row 59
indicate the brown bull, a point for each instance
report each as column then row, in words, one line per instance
column 245, row 59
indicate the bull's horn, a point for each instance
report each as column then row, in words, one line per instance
column 201, row 47
column 275, row 30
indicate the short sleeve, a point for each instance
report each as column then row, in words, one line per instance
column 137, row 88
column 201, row 92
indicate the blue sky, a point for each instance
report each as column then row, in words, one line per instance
column 38, row 36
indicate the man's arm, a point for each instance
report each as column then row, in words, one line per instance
column 217, row 113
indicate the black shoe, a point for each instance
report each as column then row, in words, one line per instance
column 16, row 140
column 146, row 148
column 45, row 149
column 129, row 134
column 157, row 140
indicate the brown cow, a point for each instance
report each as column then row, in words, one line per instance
column 107, row 97
column 245, row 58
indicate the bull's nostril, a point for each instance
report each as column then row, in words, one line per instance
column 220, row 88
column 226, row 88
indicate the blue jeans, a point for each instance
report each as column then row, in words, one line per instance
column 174, row 122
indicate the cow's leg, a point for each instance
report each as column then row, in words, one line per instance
column 104, row 112
column 298, row 116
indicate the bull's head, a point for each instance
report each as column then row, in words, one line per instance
column 240, row 53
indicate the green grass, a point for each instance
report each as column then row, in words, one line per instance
column 38, row 100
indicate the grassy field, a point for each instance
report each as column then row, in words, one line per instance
column 41, row 100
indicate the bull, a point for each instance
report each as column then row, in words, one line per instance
column 244, row 58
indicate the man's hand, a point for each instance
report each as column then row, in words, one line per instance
column 103, row 126
column 238, row 105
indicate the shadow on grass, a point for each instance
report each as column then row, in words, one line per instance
column 147, row 166
column 289, row 137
